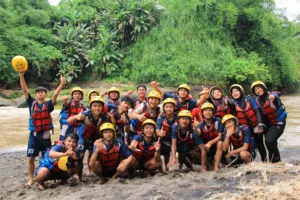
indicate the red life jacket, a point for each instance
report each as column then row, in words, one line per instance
column 110, row 159
column 145, row 154
column 74, row 109
column 269, row 112
column 166, row 127
column 40, row 119
column 188, row 140
column 246, row 117
column 211, row 133
column 92, row 129
column 222, row 111
column 184, row 106
column 154, row 117
column 237, row 142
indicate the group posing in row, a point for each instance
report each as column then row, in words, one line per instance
column 124, row 135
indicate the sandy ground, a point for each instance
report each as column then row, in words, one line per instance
column 254, row 181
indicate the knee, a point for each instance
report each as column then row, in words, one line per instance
column 43, row 173
column 220, row 145
column 245, row 156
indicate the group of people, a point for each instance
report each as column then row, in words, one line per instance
column 125, row 134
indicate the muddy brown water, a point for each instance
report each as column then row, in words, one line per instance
column 14, row 126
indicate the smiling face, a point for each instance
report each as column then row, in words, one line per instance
column 236, row 94
column 97, row 108
column 153, row 102
column 169, row 108
column 113, row 95
column 208, row 113
column 217, row 94
column 148, row 130
column 108, row 134
column 259, row 91
column 70, row 143
column 77, row 96
column 183, row 93
column 141, row 92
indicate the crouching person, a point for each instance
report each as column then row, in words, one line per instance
column 240, row 137
column 59, row 163
column 146, row 150
column 185, row 141
column 108, row 151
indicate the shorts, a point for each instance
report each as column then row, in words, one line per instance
column 54, row 175
column 37, row 144
column 211, row 153
column 108, row 173
column 81, row 144
column 165, row 149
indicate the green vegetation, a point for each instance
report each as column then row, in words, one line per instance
column 173, row 42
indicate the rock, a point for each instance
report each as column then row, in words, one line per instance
column 4, row 102
column 20, row 102
column 6, row 93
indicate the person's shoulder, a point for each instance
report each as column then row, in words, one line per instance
column 137, row 138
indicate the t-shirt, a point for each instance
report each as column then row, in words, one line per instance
column 216, row 122
column 246, row 134
column 30, row 101
column 146, row 144
column 195, row 137
column 191, row 103
column 123, row 150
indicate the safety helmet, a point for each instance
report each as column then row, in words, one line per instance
column 114, row 89
column 227, row 117
column 93, row 91
column 169, row 100
column 207, row 105
column 149, row 121
column 256, row 83
column 185, row 113
column 185, row 86
column 106, row 126
column 238, row 86
column 212, row 89
column 78, row 89
column 62, row 163
column 154, row 94
column 96, row 99
column 19, row 63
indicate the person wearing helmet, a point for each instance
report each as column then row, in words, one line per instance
column 182, row 98
column 164, row 126
column 145, row 111
column 184, row 141
column 241, row 140
column 70, row 108
column 222, row 104
column 40, row 121
column 248, row 113
column 274, row 112
column 146, row 150
column 108, row 151
column 49, row 165
column 120, row 114
column 91, row 119
column 94, row 93
column 113, row 95
column 196, row 112
column 210, row 130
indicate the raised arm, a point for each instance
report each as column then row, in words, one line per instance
column 23, row 84
column 58, row 89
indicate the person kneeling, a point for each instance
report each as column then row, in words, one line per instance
column 105, row 161
column 146, row 150
column 59, row 163
column 241, row 140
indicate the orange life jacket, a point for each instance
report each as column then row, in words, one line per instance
column 40, row 119
column 92, row 130
column 238, row 142
column 223, row 110
column 110, row 159
column 209, row 134
column 272, row 113
column 248, row 116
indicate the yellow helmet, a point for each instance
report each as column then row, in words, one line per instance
column 169, row 100
column 184, row 86
column 93, row 91
column 149, row 121
column 19, row 63
column 207, row 105
column 106, row 126
column 212, row 89
column 185, row 113
column 227, row 117
column 154, row 94
column 238, row 86
column 96, row 99
column 256, row 83
column 114, row 89
column 62, row 163
column 78, row 89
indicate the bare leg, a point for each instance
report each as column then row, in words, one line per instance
column 97, row 169
column 88, row 161
column 42, row 176
column 166, row 159
column 31, row 167
column 218, row 155
column 245, row 156
column 203, row 158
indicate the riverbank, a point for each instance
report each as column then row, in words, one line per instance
column 254, row 181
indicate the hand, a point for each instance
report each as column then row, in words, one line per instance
column 129, row 92
column 157, row 144
column 142, row 118
column 207, row 145
column 99, row 145
column 66, row 98
column 230, row 131
column 79, row 116
column 196, row 123
column 226, row 100
column 21, row 73
column 154, row 84
column 122, row 166
column 161, row 132
column 172, row 162
column 63, row 80
column 271, row 97
column 123, row 118
column 133, row 146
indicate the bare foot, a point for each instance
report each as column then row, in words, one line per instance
column 101, row 181
column 41, row 187
column 203, row 169
column 31, row 182
column 167, row 168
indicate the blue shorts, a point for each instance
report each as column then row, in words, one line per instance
column 37, row 144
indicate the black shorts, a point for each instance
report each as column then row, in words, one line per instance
column 165, row 149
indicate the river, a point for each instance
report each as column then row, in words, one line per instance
column 14, row 123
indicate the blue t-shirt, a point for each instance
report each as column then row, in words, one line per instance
column 191, row 103
column 216, row 122
column 195, row 137
column 160, row 120
column 146, row 144
column 30, row 101
column 246, row 134
column 123, row 150
column 58, row 148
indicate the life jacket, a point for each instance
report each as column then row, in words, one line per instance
column 138, row 124
column 183, row 105
column 110, row 159
column 50, row 163
column 272, row 113
column 237, row 141
column 119, row 122
column 211, row 133
column 248, row 116
column 138, row 101
column 70, row 110
column 144, row 154
column 92, row 128
column 166, row 127
column 184, row 144
column 222, row 110
column 40, row 119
